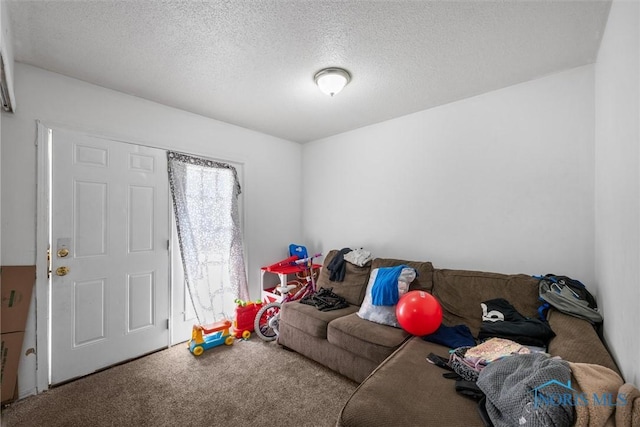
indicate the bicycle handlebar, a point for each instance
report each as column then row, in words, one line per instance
column 307, row 259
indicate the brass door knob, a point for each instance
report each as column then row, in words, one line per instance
column 62, row 271
column 63, row 252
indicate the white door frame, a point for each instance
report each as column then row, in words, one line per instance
column 43, row 183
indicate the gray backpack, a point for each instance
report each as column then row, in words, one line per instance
column 569, row 296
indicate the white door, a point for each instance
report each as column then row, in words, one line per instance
column 110, row 229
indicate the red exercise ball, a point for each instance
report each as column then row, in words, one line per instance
column 419, row 313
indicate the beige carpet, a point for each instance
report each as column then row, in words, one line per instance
column 251, row 383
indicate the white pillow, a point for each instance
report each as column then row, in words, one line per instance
column 385, row 314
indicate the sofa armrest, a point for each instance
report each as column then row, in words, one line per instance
column 577, row 341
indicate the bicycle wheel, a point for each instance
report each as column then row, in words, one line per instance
column 267, row 319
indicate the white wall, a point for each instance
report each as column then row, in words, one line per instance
column 617, row 184
column 269, row 164
column 6, row 45
column 498, row 182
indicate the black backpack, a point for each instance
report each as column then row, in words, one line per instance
column 569, row 296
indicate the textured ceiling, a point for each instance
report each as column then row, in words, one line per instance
column 251, row 63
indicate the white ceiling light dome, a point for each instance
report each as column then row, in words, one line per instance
column 332, row 80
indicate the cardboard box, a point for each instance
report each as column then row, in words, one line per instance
column 10, row 351
column 16, row 285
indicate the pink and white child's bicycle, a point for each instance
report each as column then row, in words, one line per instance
column 267, row 321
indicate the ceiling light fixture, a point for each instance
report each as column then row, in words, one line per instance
column 332, row 80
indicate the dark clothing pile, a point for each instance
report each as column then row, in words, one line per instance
column 325, row 300
column 500, row 319
column 452, row 336
column 337, row 266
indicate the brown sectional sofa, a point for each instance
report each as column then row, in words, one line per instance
column 397, row 384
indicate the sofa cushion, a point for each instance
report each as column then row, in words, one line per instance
column 406, row 390
column 355, row 280
column 577, row 341
column 309, row 319
column 460, row 293
column 423, row 280
column 367, row 339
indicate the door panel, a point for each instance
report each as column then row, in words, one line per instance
column 141, row 297
column 90, row 213
column 89, row 311
column 141, row 210
column 110, row 210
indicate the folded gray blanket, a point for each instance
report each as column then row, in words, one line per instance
column 528, row 390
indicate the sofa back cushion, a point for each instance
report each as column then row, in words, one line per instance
column 424, row 279
column 355, row 280
column 460, row 293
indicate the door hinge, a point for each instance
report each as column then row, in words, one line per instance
column 49, row 262
column 168, row 244
column 167, row 323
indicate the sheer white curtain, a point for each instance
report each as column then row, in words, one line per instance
column 205, row 199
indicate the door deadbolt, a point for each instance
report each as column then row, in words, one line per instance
column 63, row 252
column 62, row 271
